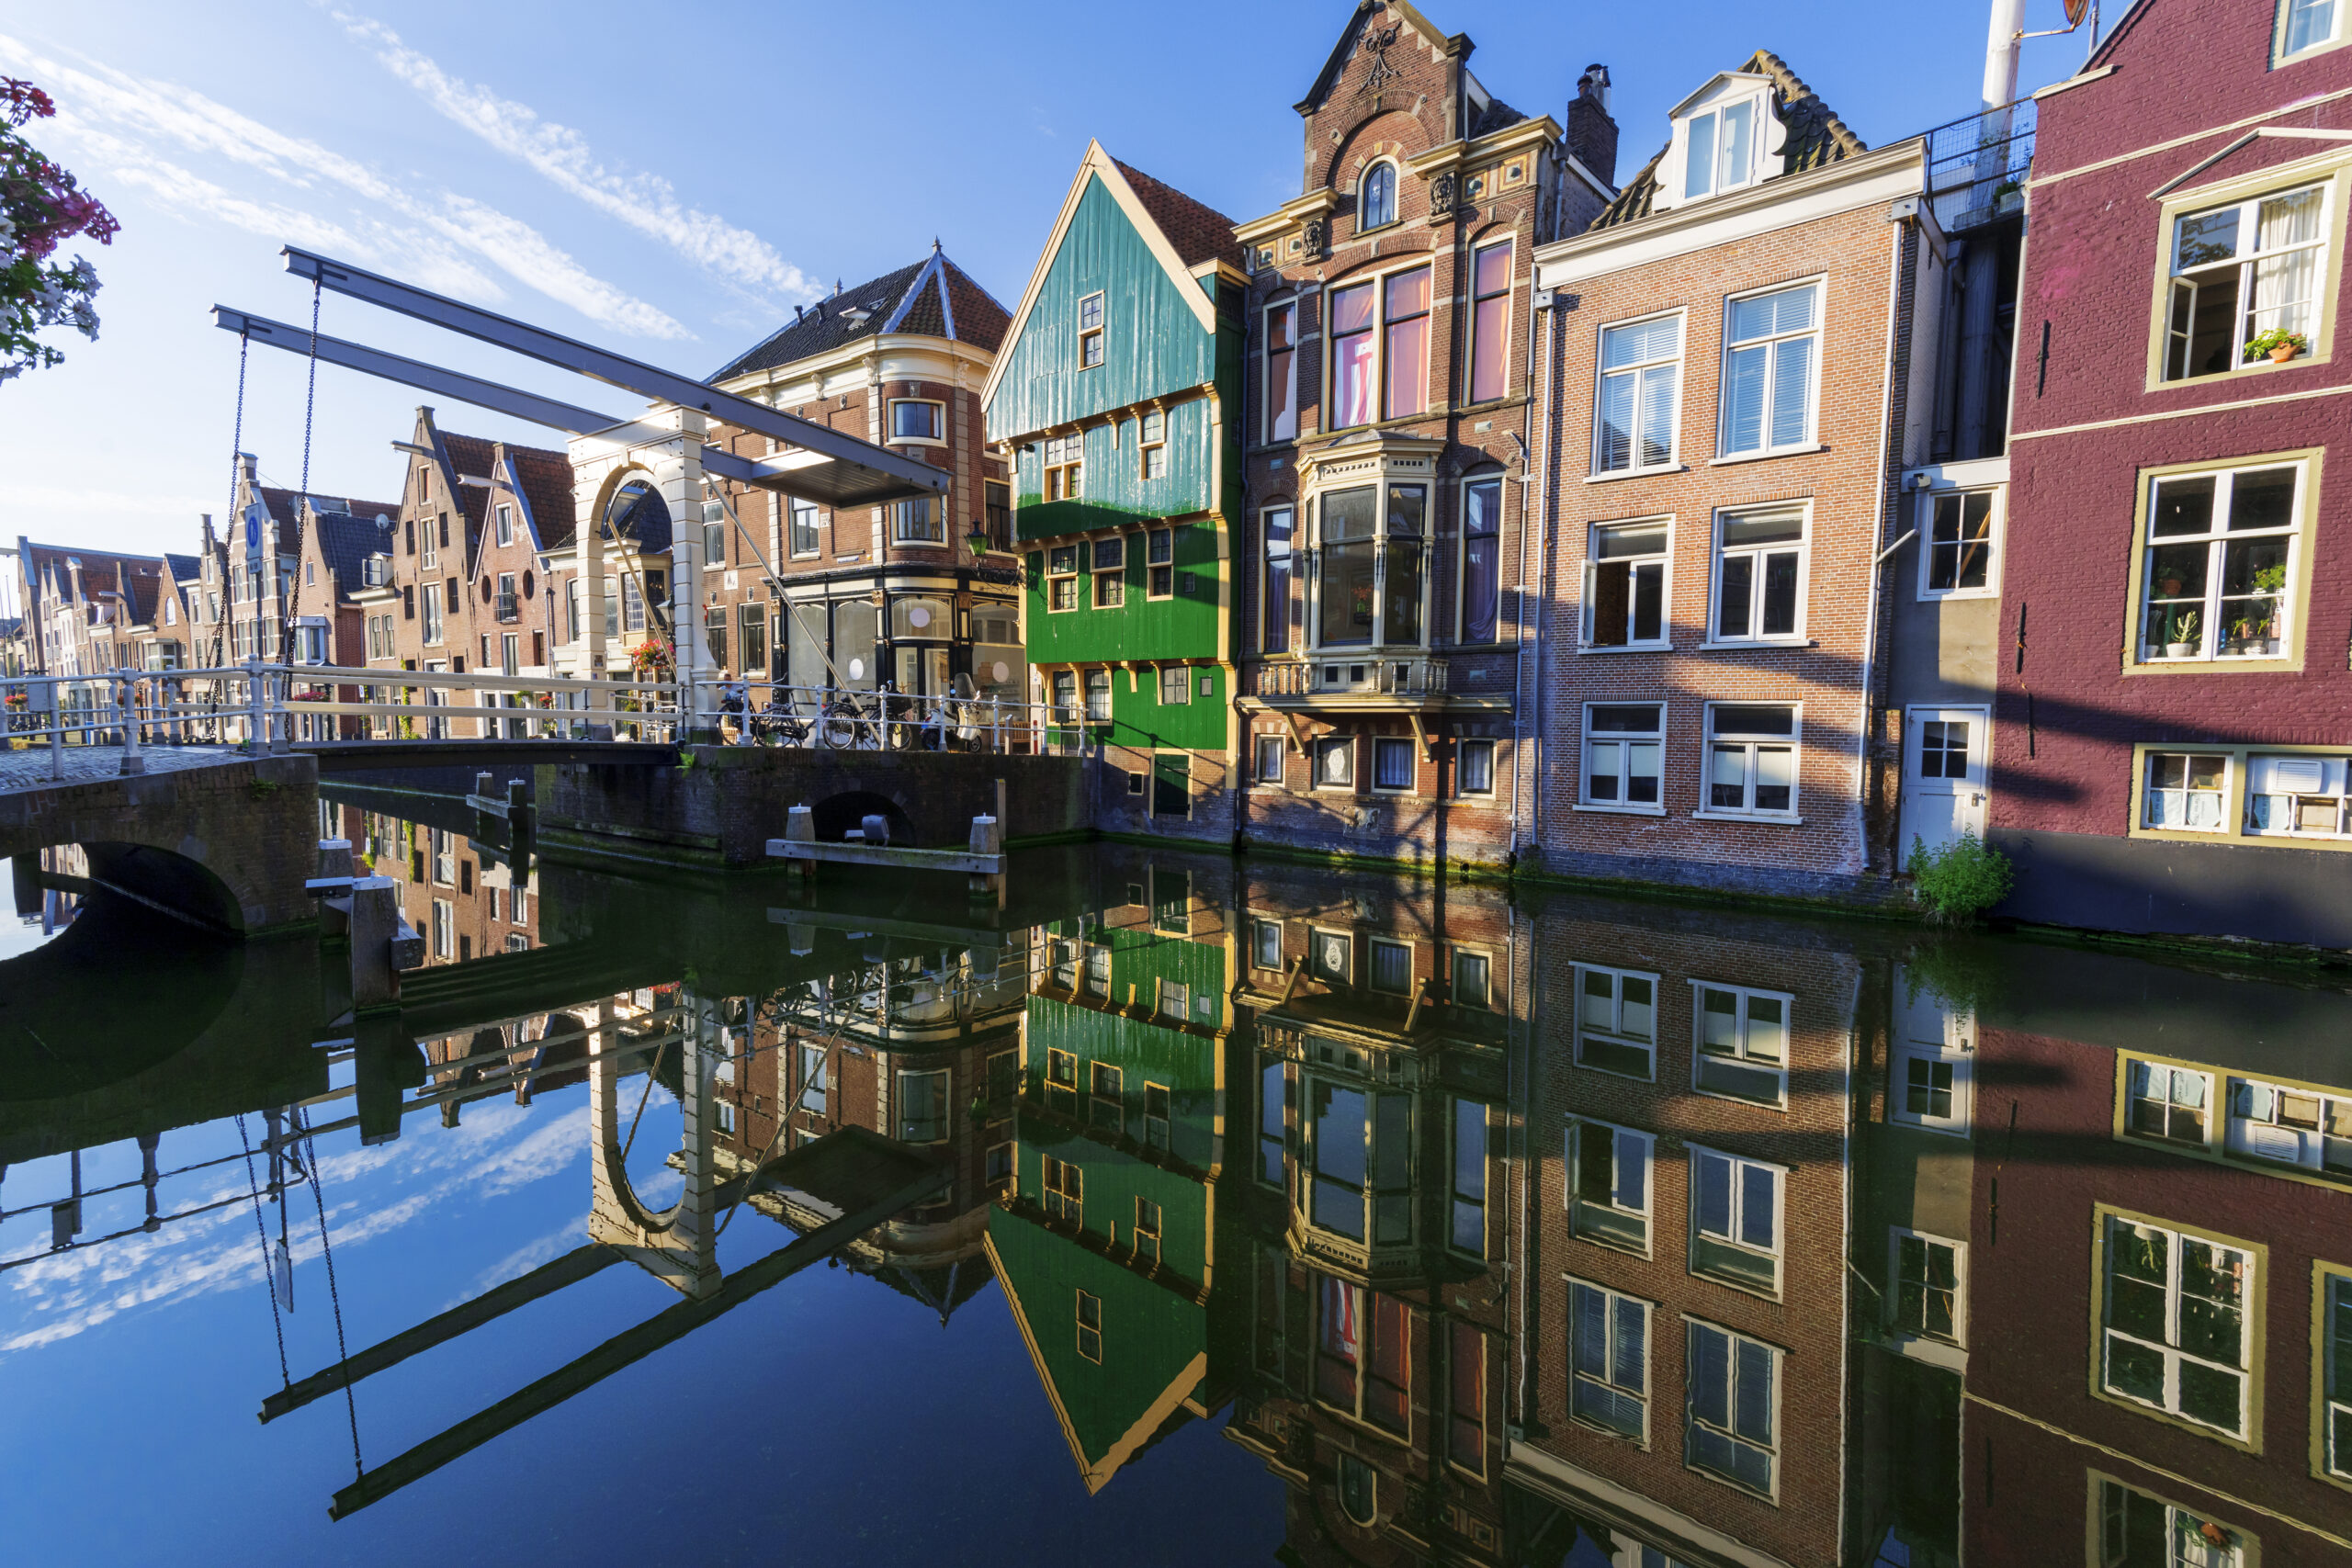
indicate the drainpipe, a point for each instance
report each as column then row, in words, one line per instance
column 1887, row 459
column 1532, row 515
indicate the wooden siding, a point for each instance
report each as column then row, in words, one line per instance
column 1182, row 626
column 1153, row 343
column 1115, row 492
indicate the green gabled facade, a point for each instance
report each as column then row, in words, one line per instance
column 1125, row 1343
column 1117, row 396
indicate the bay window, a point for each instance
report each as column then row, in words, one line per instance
column 1282, row 371
column 1358, row 1154
column 1370, row 584
column 1759, row 575
column 1624, row 747
column 2175, row 1318
column 2239, row 271
column 1771, row 343
column 1273, row 604
column 1641, row 372
column 2218, row 580
column 1751, row 760
column 1491, row 268
column 921, row 521
column 1482, row 525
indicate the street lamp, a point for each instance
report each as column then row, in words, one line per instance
column 978, row 538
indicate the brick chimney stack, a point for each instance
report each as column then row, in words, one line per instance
column 1592, row 133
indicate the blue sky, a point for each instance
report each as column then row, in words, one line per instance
column 669, row 181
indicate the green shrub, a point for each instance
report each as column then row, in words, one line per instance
column 1959, row 881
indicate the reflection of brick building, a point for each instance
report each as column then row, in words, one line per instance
column 1389, row 421
column 1370, row 1214
column 1688, row 1317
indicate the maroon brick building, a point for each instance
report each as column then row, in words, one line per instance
column 2175, row 715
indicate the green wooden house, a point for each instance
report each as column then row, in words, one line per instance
column 1117, row 396
column 1106, row 1247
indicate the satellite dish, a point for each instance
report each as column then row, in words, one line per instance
column 2076, row 11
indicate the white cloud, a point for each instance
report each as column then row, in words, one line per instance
column 133, row 112
column 646, row 202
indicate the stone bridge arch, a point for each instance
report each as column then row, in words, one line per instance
column 226, row 842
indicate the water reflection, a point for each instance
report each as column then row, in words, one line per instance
column 1348, row 1218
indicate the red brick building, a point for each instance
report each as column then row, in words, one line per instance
column 1389, row 422
column 2175, row 724
column 1727, row 374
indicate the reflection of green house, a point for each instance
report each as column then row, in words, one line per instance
column 1118, row 389
column 1106, row 1250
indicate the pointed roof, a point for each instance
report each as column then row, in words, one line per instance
column 1815, row 137
column 932, row 297
column 1176, row 229
column 184, row 568
column 543, row 480
column 345, row 540
column 1345, row 48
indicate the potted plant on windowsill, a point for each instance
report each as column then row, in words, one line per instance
column 2277, row 343
column 2180, row 636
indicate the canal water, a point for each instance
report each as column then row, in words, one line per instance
column 1159, row 1208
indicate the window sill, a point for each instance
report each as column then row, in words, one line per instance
column 1766, row 456
column 1937, row 595
column 1636, row 474
column 915, row 441
column 1619, row 810
column 1585, row 648
column 1748, row 817
column 1594, row 1238
column 1728, row 1283
column 1756, row 642
column 2258, row 663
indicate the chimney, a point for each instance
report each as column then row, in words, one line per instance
column 1592, row 133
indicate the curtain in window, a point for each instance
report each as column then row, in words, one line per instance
column 2284, row 286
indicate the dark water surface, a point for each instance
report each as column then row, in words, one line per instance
column 1162, row 1207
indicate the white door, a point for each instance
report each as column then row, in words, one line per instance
column 1943, row 776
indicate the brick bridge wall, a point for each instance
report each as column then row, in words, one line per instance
column 252, row 823
column 722, row 807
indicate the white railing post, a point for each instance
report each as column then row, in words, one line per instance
column 56, row 734
column 127, row 705
column 254, row 740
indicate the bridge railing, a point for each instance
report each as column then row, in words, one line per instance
column 277, row 704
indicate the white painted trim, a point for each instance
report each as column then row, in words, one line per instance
column 1097, row 164
column 1574, row 1485
column 1847, row 186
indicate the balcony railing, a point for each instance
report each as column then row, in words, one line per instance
column 1365, row 675
column 1977, row 166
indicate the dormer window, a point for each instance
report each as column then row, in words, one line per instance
column 1725, row 137
column 1378, row 206
column 1721, row 151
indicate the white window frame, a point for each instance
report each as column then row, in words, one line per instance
column 1809, row 439
column 1149, row 446
column 1323, row 743
column 2133, row 1069
column 1616, row 1033
column 1455, row 991
column 1637, row 372
column 1961, row 1105
column 1363, row 192
column 1464, row 747
column 2244, row 262
column 1731, row 1239
column 1091, row 337
column 2263, row 767
column 1896, row 1236
column 1317, row 937
column 1623, row 740
column 1752, row 742
column 1471, row 300
column 1463, row 488
column 799, row 513
column 1607, row 1377
column 2251, row 1304
column 1293, row 560
column 2287, row 611
column 1624, row 1218
column 1259, row 931
column 505, row 523
column 1995, row 527
column 2285, row 1143
column 1746, row 997
column 1769, row 1446
column 1588, row 631
column 1758, row 555
column 1388, row 745
column 1182, row 688
column 1275, row 424
column 1265, row 746
column 938, row 437
column 1721, row 178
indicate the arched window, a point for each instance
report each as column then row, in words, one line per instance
column 1378, row 205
